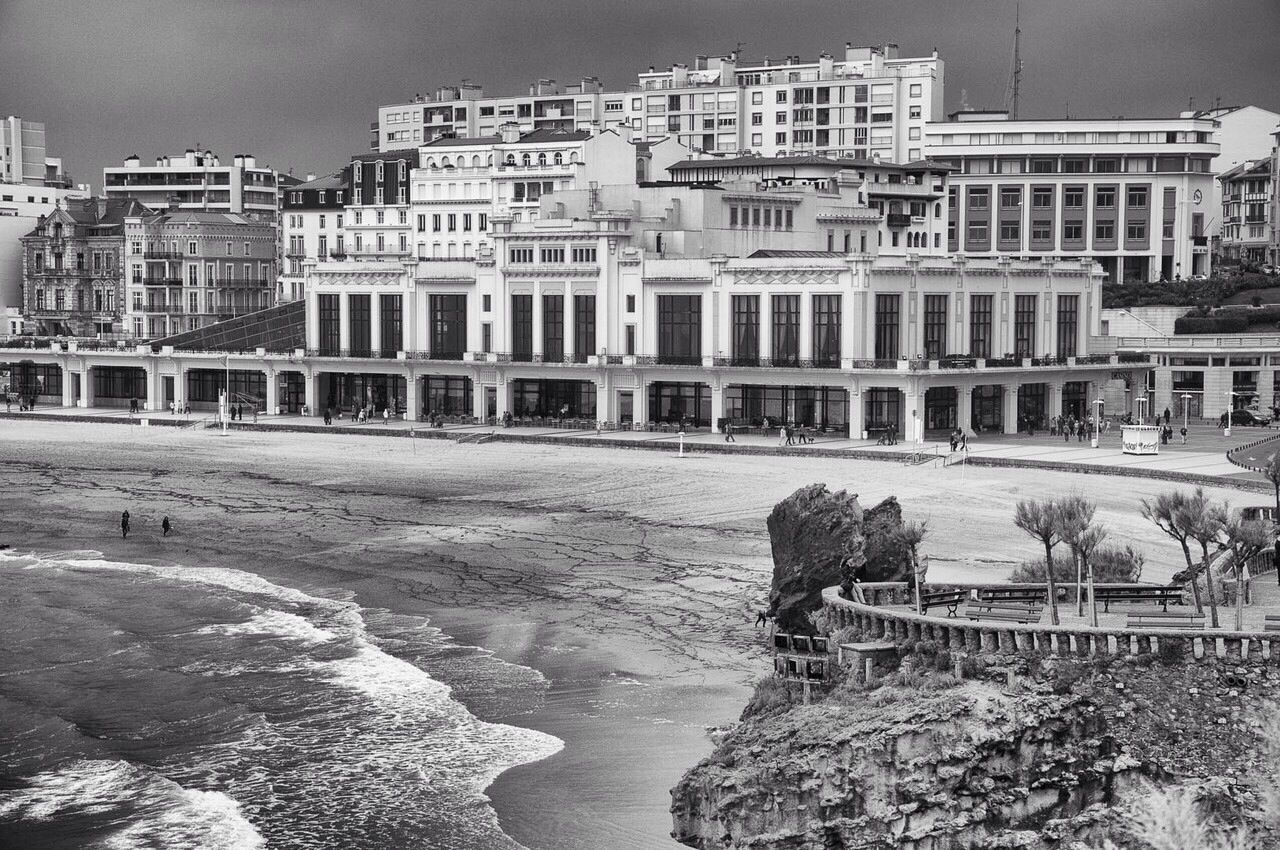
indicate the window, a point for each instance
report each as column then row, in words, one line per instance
column 631, row 303
column 980, row 325
column 552, row 255
column 1024, row 325
column 229, row 249
column 448, row 323
column 521, row 255
column 1073, row 198
column 1136, row 197
column 1010, row 198
column 631, row 340
column 1104, row 231
column 483, row 222
column 826, row 330
column 330, row 321
column 1010, row 231
column 466, row 222
column 916, row 90
column 935, row 326
column 453, row 222
column 780, row 138
column 522, row 326
column 435, row 223
column 1105, row 197
column 422, row 223
column 746, row 330
column 191, row 247
column 1041, row 198
column 1068, row 308
column 1041, row 230
column 780, row 118
column 391, row 324
column 786, row 329
column 780, row 96
column 914, row 112
column 887, row 312
column 1136, row 231
column 977, row 231
column 680, row 329
column 583, row 255
column 584, row 327
column 247, row 252
column 979, row 198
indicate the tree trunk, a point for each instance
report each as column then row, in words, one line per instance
column 1195, row 583
column 1093, row 603
column 1208, row 582
column 1239, row 597
column 1053, row 585
column 1077, row 557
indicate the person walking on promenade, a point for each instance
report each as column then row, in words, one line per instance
column 166, row 526
column 954, row 441
column 386, row 416
column 728, row 433
column 964, row 440
column 1167, row 414
column 1183, row 431
column 124, row 525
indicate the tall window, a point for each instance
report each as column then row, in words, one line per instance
column 522, row 328
column 826, row 330
column 786, row 329
column 887, row 313
column 680, row 329
column 358, row 314
column 448, row 326
column 1024, row 325
column 553, row 327
column 391, row 324
column 746, row 330
column 980, row 325
column 935, row 326
column 584, row 327
column 1068, row 323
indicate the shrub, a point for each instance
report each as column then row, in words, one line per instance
column 940, row 682
column 770, row 695
column 1210, row 325
column 1170, row 651
column 1110, row 564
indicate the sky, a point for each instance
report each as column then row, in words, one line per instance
column 297, row 82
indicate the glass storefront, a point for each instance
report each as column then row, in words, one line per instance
column 553, row 398
column 448, row 395
column 987, row 414
column 1032, row 404
column 883, row 408
column 43, row 380
column 673, row 402
column 813, row 407
column 940, row 405
column 349, row 391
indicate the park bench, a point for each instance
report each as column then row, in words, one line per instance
column 1164, row 620
column 1158, row 595
column 1013, row 594
column 1009, row 612
column 1271, row 623
column 950, row 599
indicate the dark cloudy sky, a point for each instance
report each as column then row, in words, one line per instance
column 297, row 82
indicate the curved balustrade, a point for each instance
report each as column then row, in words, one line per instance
column 874, row 622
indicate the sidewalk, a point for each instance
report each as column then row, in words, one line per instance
column 1203, row 458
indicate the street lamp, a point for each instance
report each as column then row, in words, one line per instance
column 1143, row 402
column 1097, row 421
column 1231, row 394
column 1186, row 399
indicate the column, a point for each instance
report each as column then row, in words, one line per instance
column 68, row 389
column 344, row 322
column 1266, row 388
column 311, row 392
column 806, row 326
column 375, row 325
column 504, row 397
column 1055, row 399
column 857, row 419
column 913, row 412
column 766, row 325
column 273, row 390
column 605, row 395
column 154, row 387
column 412, row 407
column 717, row 405
column 570, row 344
column 1009, row 411
column 537, row 319
column 477, row 397
column 180, row 387
column 86, row 386
column 964, row 409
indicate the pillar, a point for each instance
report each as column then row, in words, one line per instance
column 311, row 392
column 537, row 320
column 180, row 387
column 86, row 386
column 477, row 397
column 913, row 413
column 68, row 390
column 344, row 323
column 412, row 406
column 375, row 325
column 605, row 398
column 964, row 409
column 1009, row 411
column 857, row 420
column 273, row 390
column 154, row 400
column 717, row 405
column 1056, row 390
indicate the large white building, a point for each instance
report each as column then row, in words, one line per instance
column 868, row 103
column 1134, row 195
column 199, row 182
column 312, row 228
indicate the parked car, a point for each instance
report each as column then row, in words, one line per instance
column 1249, row 417
column 1269, row 269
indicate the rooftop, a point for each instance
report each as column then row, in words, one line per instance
column 277, row 329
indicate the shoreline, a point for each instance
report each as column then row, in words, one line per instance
column 628, row 579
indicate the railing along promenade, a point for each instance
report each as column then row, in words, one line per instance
column 874, row 622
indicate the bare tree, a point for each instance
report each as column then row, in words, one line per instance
column 1243, row 540
column 1038, row 519
column 911, row 534
column 1073, row 516
column 1169, row 513
column 1086, row 544
column 1202, row 522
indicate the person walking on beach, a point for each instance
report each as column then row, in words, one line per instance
column 124, row 525
column 166, row 526
column 762, row 617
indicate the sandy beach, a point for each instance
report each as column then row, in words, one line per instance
column 628, row 579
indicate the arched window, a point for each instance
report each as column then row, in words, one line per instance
column 431, row 162
column 475, row 161
column 559, row 158
column 461, row 161
column 542, row 159
column 937, row 210
column 573, row 156
column 511, row 159
column 524, row 160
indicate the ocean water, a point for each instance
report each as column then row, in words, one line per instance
column 181, row 707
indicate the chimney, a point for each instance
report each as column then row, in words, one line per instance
column 510, row 132
column 132, row 161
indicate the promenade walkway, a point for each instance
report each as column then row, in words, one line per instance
column 1204, row 454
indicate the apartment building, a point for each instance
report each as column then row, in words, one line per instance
column 1246, row 212
column 1243, row 134
column 1134, row 195
column 187, row 270
column 198, row 181
column 1274, row 250
column 870, row 103
column 911, row 199
column 376, row 219
column 663, row 304
column 73, row 261
column 312, row 228
column 463, row 183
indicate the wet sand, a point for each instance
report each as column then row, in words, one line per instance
column 627, row 578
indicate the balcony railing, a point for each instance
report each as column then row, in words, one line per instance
column 898, row 220
column 162, row 255
column 776, row 362
column 162, row 281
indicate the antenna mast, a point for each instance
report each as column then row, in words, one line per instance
column 1014, row 88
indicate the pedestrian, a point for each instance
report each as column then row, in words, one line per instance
column 386, row 415
column 954, row 441
column 255, row 414
column 791, row 434
column 1167, row 414
column 728, row 433
column 1183, row 431
column 964, row 440
column 762, row 617
column 124, row 525
column 166, row 526
column 186, row 409
column 782, row 436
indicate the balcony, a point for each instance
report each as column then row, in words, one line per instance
column 161, row 281
column 1200, row 241
column 776, row 362
column 162, row 255
column 898, row 220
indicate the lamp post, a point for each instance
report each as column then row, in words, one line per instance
column 1186, row 398
column 1143, row 403
column 1226, row 431
column 1097, row 421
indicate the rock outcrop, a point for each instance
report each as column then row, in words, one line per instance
column 886, row 557
column 812, row 533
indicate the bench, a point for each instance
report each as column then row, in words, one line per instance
column 1159, row 595
column 1164, row 620
column 1271, row 623
column 1009, row 612
column 1013, row 594
column 950, row 599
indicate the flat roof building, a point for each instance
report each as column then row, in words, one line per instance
column 199, row 182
